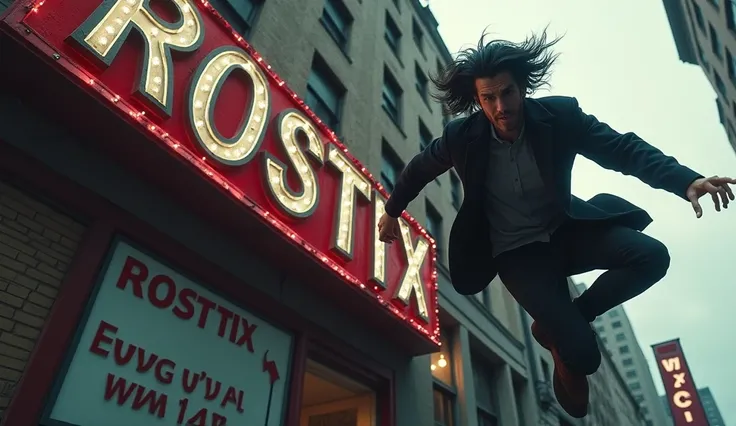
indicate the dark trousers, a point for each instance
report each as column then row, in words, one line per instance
column 536, row 276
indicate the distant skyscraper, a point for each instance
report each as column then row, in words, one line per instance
column 709, row 404
column 705, row 35
column 617, row 334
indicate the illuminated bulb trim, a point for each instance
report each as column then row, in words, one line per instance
column 103, row 33
column 206, row 86
column 287, row 125
column 378, row 256
column 411, row 282
column 352, row 186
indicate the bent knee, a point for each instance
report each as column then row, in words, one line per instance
column 656, row 259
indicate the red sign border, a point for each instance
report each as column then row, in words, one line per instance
column 18, row 14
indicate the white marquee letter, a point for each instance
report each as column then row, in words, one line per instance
column 206, row 86
column 682, row 399
column 379, row 247
column 350, row 180
column 289, row 126
column 671, row 364
column 105, row 31
column 412, row 281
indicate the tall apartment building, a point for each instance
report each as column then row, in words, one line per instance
column 712, row 413
column 704, row 33
column 618, row 337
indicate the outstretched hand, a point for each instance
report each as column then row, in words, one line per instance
column 717, row 187
column 388, row 229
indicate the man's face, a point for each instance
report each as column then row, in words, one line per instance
column 502, row 102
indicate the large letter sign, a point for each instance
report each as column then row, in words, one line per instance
column 177, row 71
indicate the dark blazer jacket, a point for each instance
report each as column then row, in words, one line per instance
column 558, row 130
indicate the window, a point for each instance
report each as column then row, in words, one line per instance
column 639, row 398
column 457, row 191
column 701, row 55
column 616, row 324
column 613, row 314
column 324, row 93
column 600, row 329
column 486, row 418
column 604, row 340
column 392, row 34
column 422, row 82
column 444, row 386
column 245, row 11
column 391, row 96
column 644, row 410
column 715, row 42
column 443, row 403
column 484, row 393
column 546, row 371
column 417, row 34
column 634, row 386
column 434, row 227
column 425, row 136
column 698, row 16
column 720, row 85
column 731, row 15
column 623, row 349
column 721, row 115
column 631, row 374
column 731, row 65
column 337, row 21
column 620, row 337
column 627, row 362
column 390, row 167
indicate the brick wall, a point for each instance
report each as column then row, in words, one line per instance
column 36, row 246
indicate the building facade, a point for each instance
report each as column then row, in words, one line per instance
column 149, row 192
column 712, row 413
column 617, row 335
column 81, row 220
column 704, row 33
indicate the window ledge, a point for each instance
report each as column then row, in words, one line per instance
column 337, row 42
column 393, row 120
column 394, row 52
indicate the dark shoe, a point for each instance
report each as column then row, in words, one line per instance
column 572, row 390
column 569, row 400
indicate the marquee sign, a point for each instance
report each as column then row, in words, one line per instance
column 176, row 69
column 158, row 349
column 682, row 394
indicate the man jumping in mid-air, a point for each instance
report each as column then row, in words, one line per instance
column 514, row 155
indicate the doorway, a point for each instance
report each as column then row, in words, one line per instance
column 333, row 399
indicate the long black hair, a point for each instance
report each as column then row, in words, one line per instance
column 529, row 63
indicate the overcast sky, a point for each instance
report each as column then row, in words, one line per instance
column 619, row 59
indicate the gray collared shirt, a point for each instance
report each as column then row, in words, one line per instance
column 519, row 207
